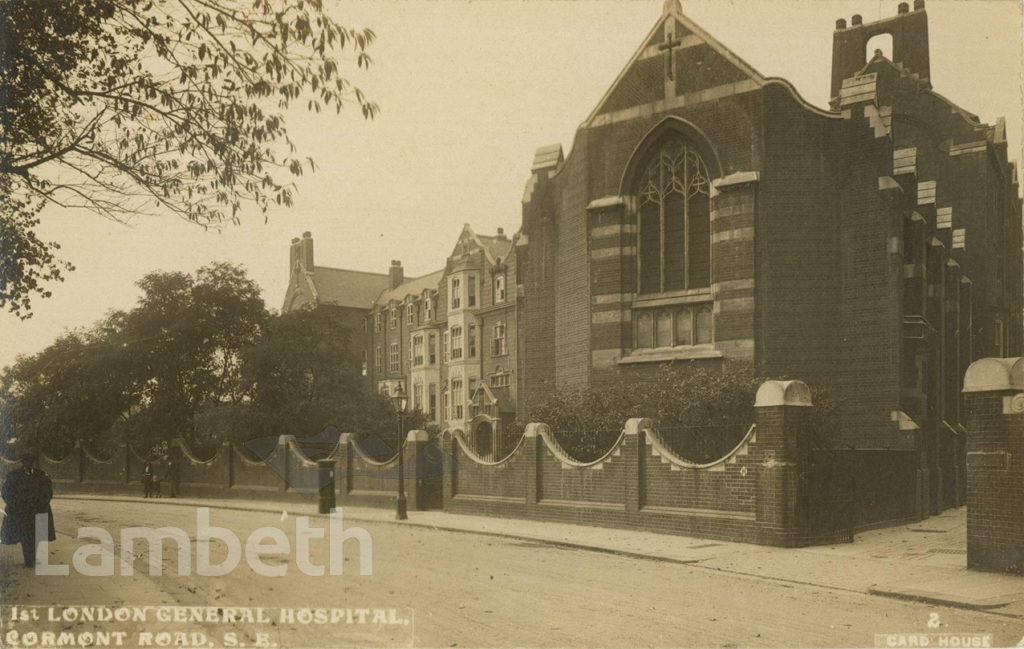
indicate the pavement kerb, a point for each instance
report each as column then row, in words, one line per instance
column 411, row 522
column 693, row 563
column 938, row 600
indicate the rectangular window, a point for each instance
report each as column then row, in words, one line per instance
column 456, row 339
column 410, row 313
column 500, row 347
column 432, row 400
column 501, row 380
column 444, row 405
column 428, row 308
column 417, row 350
column 378, row 322
column 456, row 398
column 444, row 346
column 499, row 288
column 678, row 327
column 471, row 341
column 364, row 362
column 471, row 287
column 393, row 358
column 456, row 293
column 394, row 318
column 417, row 397
column 378, row 361
column 432, row 349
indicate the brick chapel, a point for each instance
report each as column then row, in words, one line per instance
column 706, row 213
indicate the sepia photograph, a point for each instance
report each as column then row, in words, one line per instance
column 329, row 324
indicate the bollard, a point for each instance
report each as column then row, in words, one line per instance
column 325, row 478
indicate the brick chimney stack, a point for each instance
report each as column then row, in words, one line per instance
column 306, row 254
column 396, row 273
column 293, row 255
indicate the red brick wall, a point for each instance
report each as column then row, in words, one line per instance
column 750, row 496
column 995, row 483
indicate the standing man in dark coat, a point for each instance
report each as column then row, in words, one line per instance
column 27, row 492
column 147, row 478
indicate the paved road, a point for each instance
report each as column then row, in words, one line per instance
column 463, row 589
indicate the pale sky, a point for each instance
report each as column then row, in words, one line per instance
column 468, row 91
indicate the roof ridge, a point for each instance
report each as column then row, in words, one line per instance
column 348, row 270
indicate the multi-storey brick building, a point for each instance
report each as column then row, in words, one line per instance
column 449, row 336
column 707, row 213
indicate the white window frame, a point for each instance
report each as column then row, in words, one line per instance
column 499, row 288
column 394, row 359
column 500, row 346
column 456, row 343
column 455, row 293
column 417, row 346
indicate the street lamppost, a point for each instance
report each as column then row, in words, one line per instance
column 400, row 400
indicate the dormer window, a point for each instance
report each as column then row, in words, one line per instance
column 410, row 313
column 428, row 309
column 378, row 322
column 394, row 318
column 471, row 288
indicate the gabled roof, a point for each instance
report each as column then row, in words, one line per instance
column 414, row 287
column 493, row 246
column 672, row 11
column 348, row 288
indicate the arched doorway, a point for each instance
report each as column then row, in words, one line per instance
column 483, row 439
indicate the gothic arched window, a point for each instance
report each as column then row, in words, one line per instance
column 673, row 219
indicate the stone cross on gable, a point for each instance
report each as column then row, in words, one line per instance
column 670, row 43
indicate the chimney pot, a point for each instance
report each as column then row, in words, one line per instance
column 856, row 20
column 295, row 239
column 501, row 231
column 918, row 5
column 841, row 23
column 903, row 8
column 307, row 235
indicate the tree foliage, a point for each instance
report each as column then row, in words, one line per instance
column 304, row 379
column 143, row 375
column 125, row 107
column 26, row 262
column 698, row 410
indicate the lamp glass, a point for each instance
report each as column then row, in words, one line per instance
column 400, row 398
